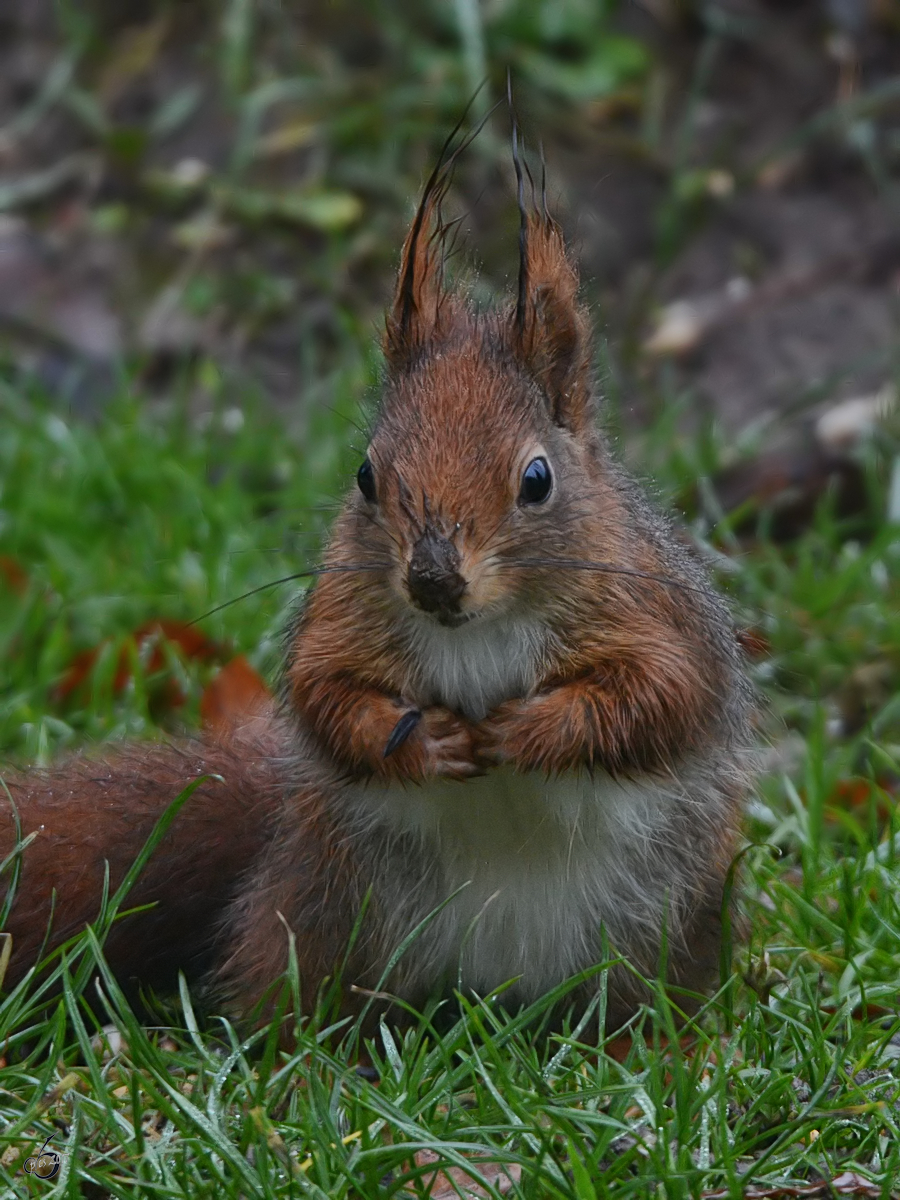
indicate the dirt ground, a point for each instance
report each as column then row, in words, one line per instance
column 735, row 214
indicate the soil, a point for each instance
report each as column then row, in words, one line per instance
column 755, row 184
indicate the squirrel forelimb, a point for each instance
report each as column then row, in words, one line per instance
column 514, row 712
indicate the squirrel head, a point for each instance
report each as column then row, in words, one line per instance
column 485, row 447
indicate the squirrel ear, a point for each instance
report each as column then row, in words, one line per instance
column 550, row 329
column 414, row 318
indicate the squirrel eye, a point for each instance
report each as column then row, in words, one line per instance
column 365, row 478
column 537, row 482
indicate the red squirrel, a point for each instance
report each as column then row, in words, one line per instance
column 512, row 703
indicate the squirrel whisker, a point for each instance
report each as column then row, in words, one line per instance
column 501, row 790
column 308, row 574
column 577, row 564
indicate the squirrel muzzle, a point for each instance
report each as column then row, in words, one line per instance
column 433, row 578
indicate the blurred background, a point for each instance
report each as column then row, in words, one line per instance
column 202, row 204
column 222, row 185
column 201, row 209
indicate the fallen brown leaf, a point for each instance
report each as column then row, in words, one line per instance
column 193, row 644
column 236, row 693
column 134, row 52
column 863, row 1012
column 15, row 577
column 618, row 1048
column 848, row 1183
column 854, row 794
column 449, row 1183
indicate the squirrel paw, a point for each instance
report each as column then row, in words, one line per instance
column 492, row 746
column 431, row 742
column 533, row 734
column 448, row 745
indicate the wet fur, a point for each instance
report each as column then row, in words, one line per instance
column 89, row 814
column 581, row 750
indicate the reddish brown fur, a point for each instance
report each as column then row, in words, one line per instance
column 637, row 682
column 636, row 671
column 90, row 812
column 306, row 893
column 552, row 334
column 415, row 317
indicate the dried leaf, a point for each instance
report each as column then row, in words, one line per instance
column 862, row 1012
column 449, row 1183
column 135, row 51
column 286, row 138
column 848, row 1183
column 13, row 574
column 680, row 328
column 861, row 795
column 852, row 421
column 619, row 1048
column 193, row 644
column 237, row 693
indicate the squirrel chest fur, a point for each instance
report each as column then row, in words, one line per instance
column 513, row 708
column 536, row 863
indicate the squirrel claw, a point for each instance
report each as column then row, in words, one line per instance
column 401, row 731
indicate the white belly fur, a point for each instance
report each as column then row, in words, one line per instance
column 475, row 667
column 542, row 864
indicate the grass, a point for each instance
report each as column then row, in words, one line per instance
column 790, row 1074
column 144, row 517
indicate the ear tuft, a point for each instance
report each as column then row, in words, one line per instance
column 420, row 310
column 550, row 329
column 414, row 318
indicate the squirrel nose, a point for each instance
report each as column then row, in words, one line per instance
column 433, row 577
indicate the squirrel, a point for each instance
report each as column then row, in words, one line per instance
column 514, row 714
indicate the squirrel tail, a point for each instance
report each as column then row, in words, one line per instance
column 88, row 812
